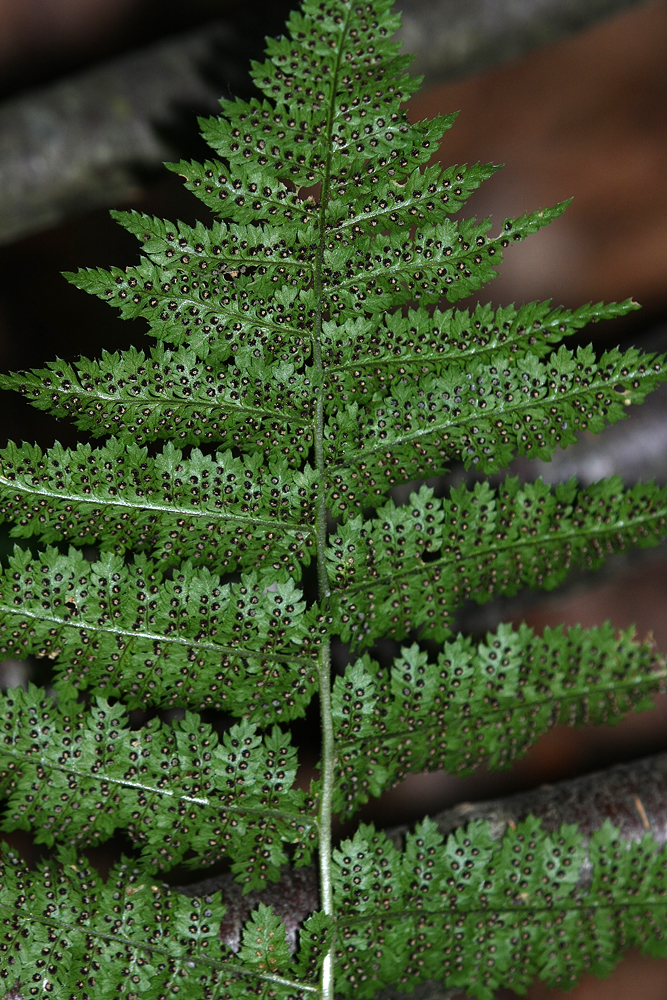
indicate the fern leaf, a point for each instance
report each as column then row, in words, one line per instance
column 525, row 902
column 314, row 941
column 249, row 195
column 458, row 259
column 364, row 357
column 229, row 246
column 300, row 345
column 245, row 193
column 129, row 937
column 302, row 145
column 413, row 565
column 185, row 307
column 213, row 312
column 484, row 704
column 190, row 641
column 171, row 394
column 485, row 415
column 426, row 196
column 180, row 793
column 223, row 512
column 513, row 898
column 264, row 945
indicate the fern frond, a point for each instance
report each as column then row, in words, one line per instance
column 426, row 196
column 124, row 630
column 223, row 512
column 227, row 246
column 302, row 137
column 172, row 394
column 448, row 259
column 484, row 416
column 529, row 902
column 179, row 792
column 213, row 313
column 525, row 902
column 413, row 565
column 302, row 348
column 264, row 943
column 129, row 934
column 484, row 704
column 247, row 194
column 364, row 356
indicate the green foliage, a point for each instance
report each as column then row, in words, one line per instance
column 126, row 936
column 490, row 912
column 214, row 797
column 235, row 523
column 219, row 511
column 423, row 716
column 184, row 639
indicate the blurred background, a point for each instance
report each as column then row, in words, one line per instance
column 584, row 116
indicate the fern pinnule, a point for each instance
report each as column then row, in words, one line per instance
column 419, row 715
column 156, row 639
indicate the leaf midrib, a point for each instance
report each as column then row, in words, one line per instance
column 160, row 638
column 144, row 507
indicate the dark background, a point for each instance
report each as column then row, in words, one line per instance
column 583, row 118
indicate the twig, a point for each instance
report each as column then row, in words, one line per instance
column 92, row 139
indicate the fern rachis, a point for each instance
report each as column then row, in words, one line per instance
column 239, row 514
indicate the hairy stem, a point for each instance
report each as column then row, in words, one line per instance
column 324, row 812
column 324, row 676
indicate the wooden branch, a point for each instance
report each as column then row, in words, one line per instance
column 633, row 796
column 454, row 38
column 94, row 139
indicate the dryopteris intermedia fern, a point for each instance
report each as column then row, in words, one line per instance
column 302, row 369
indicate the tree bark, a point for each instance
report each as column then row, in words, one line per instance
column 93, row 139
column 454, row 38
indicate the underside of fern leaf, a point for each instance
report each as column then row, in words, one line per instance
column 236, row 520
